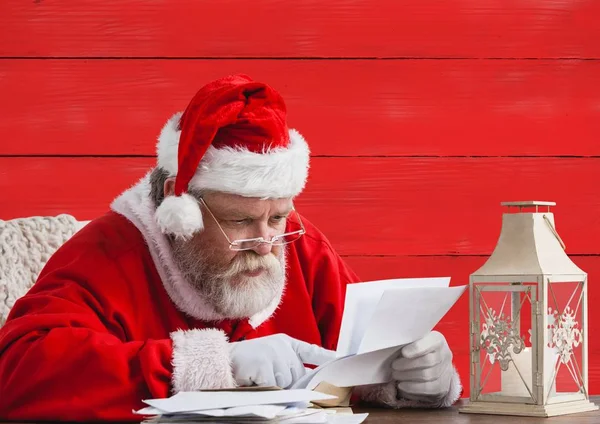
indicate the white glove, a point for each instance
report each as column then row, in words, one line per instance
column 424, row 370
column 276, row 360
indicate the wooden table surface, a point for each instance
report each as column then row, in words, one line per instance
column 452, row 416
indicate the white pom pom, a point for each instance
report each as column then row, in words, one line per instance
column 180, row 216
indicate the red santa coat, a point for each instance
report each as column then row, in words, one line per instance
column 110, row 322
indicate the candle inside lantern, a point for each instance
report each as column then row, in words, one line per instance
column 513, row 385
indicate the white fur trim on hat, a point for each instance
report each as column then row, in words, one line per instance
column 201, row 360
column 180, row 216
column 275, row 173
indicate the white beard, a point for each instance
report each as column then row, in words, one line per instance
column 231, row 293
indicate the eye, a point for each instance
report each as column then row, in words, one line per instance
column 278, row 218
column 240, row 222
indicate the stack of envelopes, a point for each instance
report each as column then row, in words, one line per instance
column 238, row 406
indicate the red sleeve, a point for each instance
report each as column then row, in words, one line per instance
column 64, row 356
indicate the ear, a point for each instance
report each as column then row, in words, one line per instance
column 169, row 187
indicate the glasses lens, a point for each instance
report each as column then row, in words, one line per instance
column 245, row 244
column 294, row 228
column 287, row 238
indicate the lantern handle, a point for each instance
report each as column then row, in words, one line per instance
column 554, row 232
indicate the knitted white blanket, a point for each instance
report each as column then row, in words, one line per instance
column 26, row 244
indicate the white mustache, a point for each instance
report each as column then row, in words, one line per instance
column 250, row 263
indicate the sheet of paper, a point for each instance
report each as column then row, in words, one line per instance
column 198, row 401
column 249, row 414
column 308, row 416
column 259, row 411
column 403, row 316
column 149, row 410
column 355, row 370
column 361, row 302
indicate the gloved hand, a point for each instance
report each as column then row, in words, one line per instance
column 424, row 370
column 276, row 360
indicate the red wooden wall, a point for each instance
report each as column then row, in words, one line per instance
column 423, row 115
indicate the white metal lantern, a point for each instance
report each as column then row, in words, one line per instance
column 528, row 322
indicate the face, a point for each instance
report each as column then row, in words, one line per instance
column 237, row 283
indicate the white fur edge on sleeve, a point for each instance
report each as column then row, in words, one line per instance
column 201, row 360
column 386, row 395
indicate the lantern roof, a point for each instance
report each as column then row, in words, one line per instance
column 528, row 247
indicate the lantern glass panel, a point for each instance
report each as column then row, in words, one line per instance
column 564, row 340
column 503, row 320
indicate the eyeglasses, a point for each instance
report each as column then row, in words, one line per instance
column 252, row 243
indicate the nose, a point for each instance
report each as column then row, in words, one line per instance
column 266, row 233
column 263, row 249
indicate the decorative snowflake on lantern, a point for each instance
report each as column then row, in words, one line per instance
column 497, row 337
column 565, row 333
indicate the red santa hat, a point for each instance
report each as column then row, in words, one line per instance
column 232, row 138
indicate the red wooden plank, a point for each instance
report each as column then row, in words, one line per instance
column 347, row 108
column 408, row 28
column 376, row 206
column 83, row 187
column 455, row 325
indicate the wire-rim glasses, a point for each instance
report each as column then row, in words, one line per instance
column 252, row 243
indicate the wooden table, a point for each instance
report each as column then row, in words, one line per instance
column 452, row 416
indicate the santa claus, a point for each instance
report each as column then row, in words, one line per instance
column 201, row 276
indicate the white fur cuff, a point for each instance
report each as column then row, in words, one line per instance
column 386, row 395
column 455, row 391
column 201, row 360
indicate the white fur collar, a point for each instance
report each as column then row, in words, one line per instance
column 135, row 205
